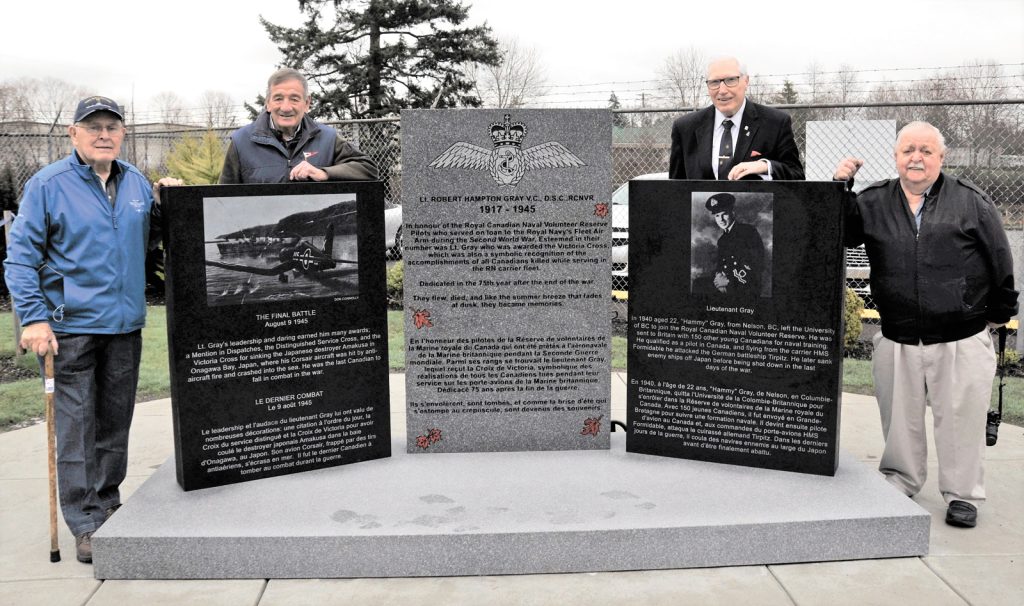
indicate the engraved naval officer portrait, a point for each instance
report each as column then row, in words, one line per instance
column 507, row 161
column 731, row 244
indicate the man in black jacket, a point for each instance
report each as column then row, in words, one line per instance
column 733, row 138
column 942, row 275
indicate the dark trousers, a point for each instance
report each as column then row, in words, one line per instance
column 95, row 377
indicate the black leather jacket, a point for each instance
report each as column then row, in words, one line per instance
column 942, row 282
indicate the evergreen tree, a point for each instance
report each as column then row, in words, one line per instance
column 618, row 120
column 787, row 95
column 372, row 58
column 8, row 192
column 197, row 161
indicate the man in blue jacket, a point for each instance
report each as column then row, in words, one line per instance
column 283, row 144
column 942, row 275
column 76, row 271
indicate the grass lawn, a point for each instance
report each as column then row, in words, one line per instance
column 23, row 400
column 857, row 379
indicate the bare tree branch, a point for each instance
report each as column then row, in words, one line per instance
column 685, row 72
column 514, row 82
column 170, row 106
column 219, row 109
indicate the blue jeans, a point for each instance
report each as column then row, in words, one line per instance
column 95, row 377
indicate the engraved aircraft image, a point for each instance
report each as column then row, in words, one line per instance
column 303, row 258
column 304, row 247
column 507, row 162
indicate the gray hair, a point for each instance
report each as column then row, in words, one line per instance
column 742, row 66
column 926, row 126
column 284, row 75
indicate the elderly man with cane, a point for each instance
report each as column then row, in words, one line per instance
column 75, row 269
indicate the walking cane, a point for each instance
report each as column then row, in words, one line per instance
column 51, row 454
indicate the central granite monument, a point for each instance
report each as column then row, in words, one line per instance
column 507, row 279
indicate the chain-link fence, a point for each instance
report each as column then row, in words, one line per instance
column 985, row 143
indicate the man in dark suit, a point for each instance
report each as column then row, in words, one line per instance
column 733, row 139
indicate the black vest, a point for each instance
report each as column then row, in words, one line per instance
column 264, row 159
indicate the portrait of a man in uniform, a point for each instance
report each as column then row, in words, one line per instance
column 730, row 258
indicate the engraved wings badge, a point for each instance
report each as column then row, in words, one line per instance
column 508, row 161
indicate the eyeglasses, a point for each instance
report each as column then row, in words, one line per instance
column 98, row 129
column 729, row 82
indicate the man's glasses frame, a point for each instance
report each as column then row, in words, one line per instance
column 729, row 82
column 98, row 129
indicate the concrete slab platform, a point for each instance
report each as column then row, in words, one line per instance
column 993, row 580
column 25, row 538
column 995, row 534
column 48, row 592
column 708, row 587
column 169, row 593
column 879, row 582
column 506, row 513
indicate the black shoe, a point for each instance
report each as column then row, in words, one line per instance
column 83, row 547
column 962, row 513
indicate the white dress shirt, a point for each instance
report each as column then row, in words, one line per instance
column 716, row 141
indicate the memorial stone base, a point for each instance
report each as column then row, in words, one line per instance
column 506, row 513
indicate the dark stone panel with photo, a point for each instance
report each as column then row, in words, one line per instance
column 276, row 321
column 736, row 322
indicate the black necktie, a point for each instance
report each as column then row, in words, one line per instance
column 725, row 150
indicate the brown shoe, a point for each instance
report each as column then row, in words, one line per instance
column 83, row 547
column 110, row 511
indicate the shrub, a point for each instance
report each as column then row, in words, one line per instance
column 197, row 161
column 395, row 279
column 854, row 306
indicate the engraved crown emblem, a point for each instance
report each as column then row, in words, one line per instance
column 507, row 161
column 508, row 132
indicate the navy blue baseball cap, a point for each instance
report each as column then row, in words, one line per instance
column 91, row 105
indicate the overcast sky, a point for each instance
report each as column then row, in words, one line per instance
column 188, row 46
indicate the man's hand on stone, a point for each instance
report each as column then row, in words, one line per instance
column 39, row 339
column 847, row 168
column 757, row 167
column 305, row 171
column 164, row 182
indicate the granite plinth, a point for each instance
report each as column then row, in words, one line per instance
column 506, row 513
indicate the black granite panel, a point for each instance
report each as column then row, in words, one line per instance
column 276, row 321
column 736, row 322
